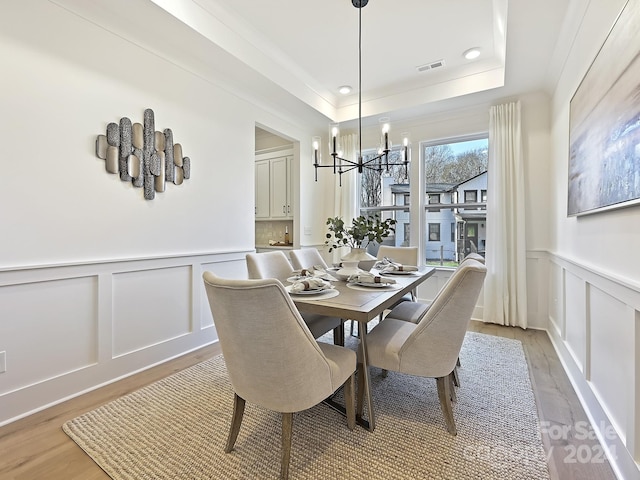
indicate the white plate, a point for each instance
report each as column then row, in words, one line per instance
column 317, row 291
column 296, row 278
column 373, row 285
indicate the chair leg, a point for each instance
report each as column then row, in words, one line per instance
column 287, row 428
column 445, row 404
column 236, row 421
column 350, row 400
column 338, row 335
column 353, row 322
column 456, row 378
column 452, row 390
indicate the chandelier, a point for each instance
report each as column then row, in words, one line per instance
column 376, row 163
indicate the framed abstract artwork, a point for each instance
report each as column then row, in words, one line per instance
column 604, row 123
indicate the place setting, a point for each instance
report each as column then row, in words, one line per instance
column 370, row 281
column 311, row 288
column 387, row 266
column 316, row 271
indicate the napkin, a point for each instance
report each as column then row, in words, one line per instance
column 315, row 271
column 388, row 265
column 398, row 267
column 304, row 272
column 311, row 283
column 366, row 277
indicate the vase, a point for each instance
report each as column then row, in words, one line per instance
column 365, row 260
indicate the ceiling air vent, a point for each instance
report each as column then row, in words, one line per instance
column 430, row 66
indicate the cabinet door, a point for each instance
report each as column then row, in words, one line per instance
column 262, row 189
column 280, row 207
column 289, row 188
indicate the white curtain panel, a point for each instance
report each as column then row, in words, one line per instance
column 505, row 292
column 346, row 196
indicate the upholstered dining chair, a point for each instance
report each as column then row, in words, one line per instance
column 430, row 348
column 254, row 320
column 276, row 265
column 413, row 312
column 306, row 258
column 403, row 255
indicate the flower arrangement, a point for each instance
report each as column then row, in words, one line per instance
column 371, row 229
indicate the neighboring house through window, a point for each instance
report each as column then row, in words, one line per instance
column 455, row 173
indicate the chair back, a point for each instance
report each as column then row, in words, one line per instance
column 403, row 255
column 272, row 358
column 474, row 256
column 269, row 265
column 306, row 258
column 440, row 332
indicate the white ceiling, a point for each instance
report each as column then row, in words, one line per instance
column 309, row 49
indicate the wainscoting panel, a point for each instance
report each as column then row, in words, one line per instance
column 150, row 307
column 556, row 308
column 576, row 329
column 594, row 325
column 53, row 332
column 68, row 329
column 221, row 269
column 611, row 357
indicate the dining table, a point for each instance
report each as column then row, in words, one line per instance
column 362, row 303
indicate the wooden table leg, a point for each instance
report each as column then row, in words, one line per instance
column 365, row 382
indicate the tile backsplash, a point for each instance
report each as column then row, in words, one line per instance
column 273, row 230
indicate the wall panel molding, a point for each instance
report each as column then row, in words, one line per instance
column 106, row 320
column 593, row 325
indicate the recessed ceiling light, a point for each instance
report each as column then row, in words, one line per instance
column 345, row 89
column 472, row 53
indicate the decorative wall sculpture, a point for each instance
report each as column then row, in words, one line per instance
column 142, row 155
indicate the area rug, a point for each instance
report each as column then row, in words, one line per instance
column 176, row 428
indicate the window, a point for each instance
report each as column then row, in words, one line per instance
column 483, row 196
column 457, row 169
column 373, row 185
column 470, row 196
column 450, row 168
column 387, row 194
column 434, row 232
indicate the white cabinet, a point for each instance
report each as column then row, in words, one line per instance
column 280, row 175
column 262, row 189
column 274, row 188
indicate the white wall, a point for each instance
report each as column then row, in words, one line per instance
column 96, row 282
column 593, row 291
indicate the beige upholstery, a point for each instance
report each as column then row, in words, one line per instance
column 306, row 258
column 403, row 255
column 413, row 312
column 272, row 358
column 409, row 311
column 269, row 265
column 474, row 256
column 430, row 348
column 275, row 265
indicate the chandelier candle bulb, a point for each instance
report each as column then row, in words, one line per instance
column 316, row 147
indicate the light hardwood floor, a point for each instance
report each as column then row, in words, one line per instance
column 36, row 448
